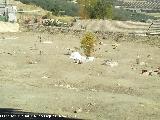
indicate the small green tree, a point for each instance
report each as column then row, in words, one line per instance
column 100, row 9
column 109, row 11
column 88, row 43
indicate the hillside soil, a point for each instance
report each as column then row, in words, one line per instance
column 36, row 75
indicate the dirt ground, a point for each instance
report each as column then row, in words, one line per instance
column 9, row 27
column 39, row 77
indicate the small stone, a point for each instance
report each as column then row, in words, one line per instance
column 44, row 77
column 144, row 71
column 142, row 63
column 148, row 56
column 100, row 43
column 154, row 73
column 68, row 86
column 78, row 110
column 150, row 73
column 138, row 60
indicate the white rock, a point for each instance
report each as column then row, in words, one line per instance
column 76, row 56
column 112, row 64
column 44, row 77
column 142, row 63
column 83, row 59
column 90, row 59
column 47, row 42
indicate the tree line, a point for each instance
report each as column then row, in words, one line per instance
column 57, row 7
column 96, row 9
column 88, row 9
column 84, row 8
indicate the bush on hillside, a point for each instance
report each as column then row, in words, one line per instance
column 88, row 43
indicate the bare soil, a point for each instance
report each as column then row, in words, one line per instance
column 39, row 77
column 9, row 27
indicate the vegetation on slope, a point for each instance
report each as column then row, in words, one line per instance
column 121, row 14
column 57, row 7
column 91, row 9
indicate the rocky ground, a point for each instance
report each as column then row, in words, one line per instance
column 37, row 76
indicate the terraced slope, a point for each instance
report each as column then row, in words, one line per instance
column 140, row 4
column 112, row 26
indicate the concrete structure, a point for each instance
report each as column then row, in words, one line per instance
column 8, row 10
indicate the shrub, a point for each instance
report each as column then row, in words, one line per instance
column 3, row 18
column 47, row 16
column 123, row 15
column 88, row 43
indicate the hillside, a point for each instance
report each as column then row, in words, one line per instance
column 130, row 0
column 140, row 5
column 28, row 7
column 50, row 83
column 66, row 7
column 112, row 26
column 57, row 7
